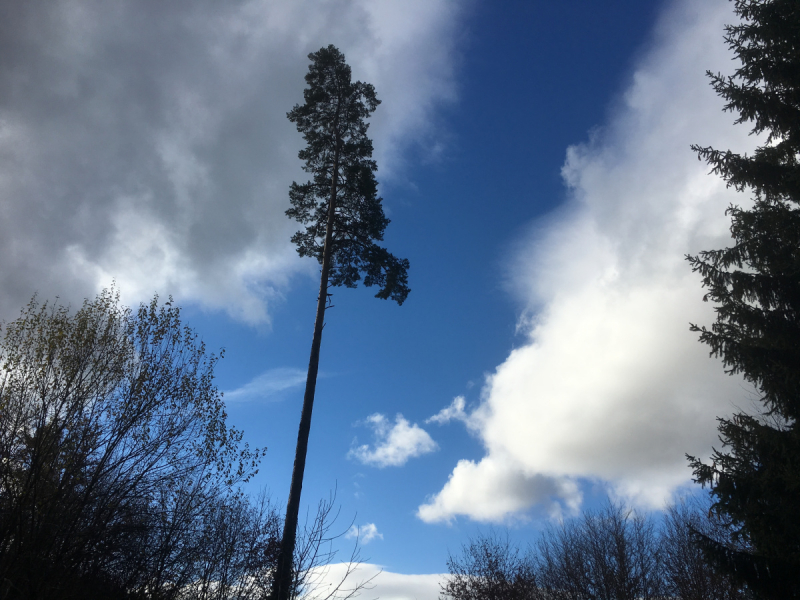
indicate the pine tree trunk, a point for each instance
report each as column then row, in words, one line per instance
column 283, row 576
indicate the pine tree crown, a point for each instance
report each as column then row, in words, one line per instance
column 333, row 124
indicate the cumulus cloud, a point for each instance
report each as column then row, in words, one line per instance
column 363, row 533
column 147, row 142
column 394, row 444
column 609, row 383
column 495, row 488
column 267, row 385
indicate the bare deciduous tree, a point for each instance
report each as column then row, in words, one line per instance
column 687, row 573
column 609, row 555
column 613, row 554
column 489, row 568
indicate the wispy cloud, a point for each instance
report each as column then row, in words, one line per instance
column 610, row 385
column 267, row 385
column 363, row 533
column 454, row 412
column 394, row 444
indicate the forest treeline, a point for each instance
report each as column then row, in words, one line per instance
column 611, row 554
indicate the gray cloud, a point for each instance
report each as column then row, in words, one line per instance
column 147, row 142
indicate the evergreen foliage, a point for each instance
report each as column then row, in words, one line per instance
column 344, row 218
column 755, row 284
column 338, row 154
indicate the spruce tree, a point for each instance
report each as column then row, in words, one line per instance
column 754, row 477
column 343, row 219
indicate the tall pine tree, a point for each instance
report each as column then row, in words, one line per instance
column 755, row 477
column 343, row 219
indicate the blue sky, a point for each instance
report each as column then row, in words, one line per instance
column 534, row 159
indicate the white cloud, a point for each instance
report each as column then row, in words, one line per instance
column 147, row 142
column 610, row 384
column 454, row 412
column 363, row 533
column 267, row 384
column 382, row 584
column 494, row 489
column 394, row 444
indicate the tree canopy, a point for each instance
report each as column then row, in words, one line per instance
column 117, row 468
column 755, row 285
column 342, row 195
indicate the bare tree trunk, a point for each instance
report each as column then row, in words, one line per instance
column 283, row 574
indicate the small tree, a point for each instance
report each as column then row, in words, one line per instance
column 755, row 284
column 343, row 217
column 688, row 574
column 490, row 568
column 611, row 554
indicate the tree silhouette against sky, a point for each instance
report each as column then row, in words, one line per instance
column 343, row 219
column 755, row 284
